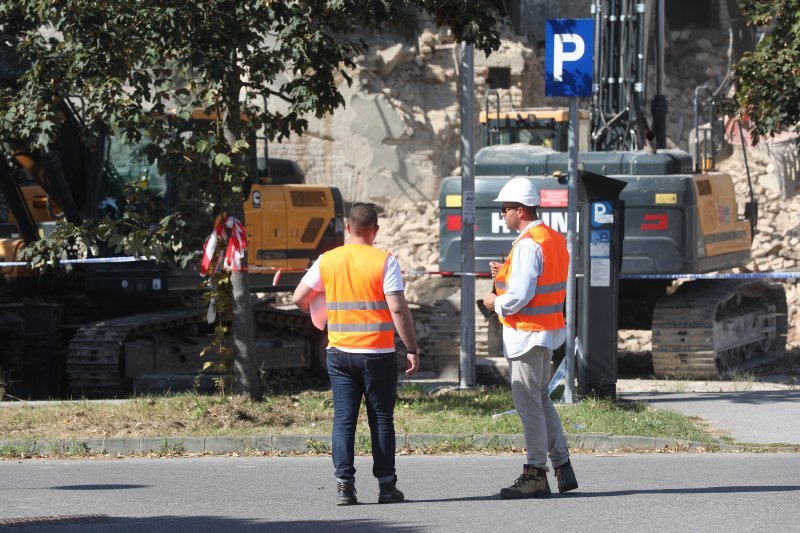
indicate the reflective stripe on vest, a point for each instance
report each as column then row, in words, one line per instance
column 358, row 315
column 356, row 306
column 540, row 289
column 545, row 312
column 349, row 328
column 533, row 310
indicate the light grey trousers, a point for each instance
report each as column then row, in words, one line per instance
column 530, row 376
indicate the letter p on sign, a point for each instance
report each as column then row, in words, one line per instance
column 560, row 55
column 569, row 61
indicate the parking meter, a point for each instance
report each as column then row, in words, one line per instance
column 601, row 233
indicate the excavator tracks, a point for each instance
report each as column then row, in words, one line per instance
column 710, row 328
column 284, row 318
column 95, row 365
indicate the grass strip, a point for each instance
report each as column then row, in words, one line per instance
column 446, row 412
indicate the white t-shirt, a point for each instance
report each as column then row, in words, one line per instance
column 526, row 267
column 392, row 277
column 392, row 282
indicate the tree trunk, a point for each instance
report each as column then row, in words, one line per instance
column 245, row 372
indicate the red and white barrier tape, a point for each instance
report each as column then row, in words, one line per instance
column 237, row 246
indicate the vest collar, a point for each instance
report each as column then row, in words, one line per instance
column 527, row 228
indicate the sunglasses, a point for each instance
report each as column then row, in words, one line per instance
column 373, row 206
column 504, row 208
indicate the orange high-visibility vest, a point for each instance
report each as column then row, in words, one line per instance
column 545, row 311
column 358, row 315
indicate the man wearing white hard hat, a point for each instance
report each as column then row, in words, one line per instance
column 530, row 292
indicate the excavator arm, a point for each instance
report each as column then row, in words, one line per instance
column 16, row 202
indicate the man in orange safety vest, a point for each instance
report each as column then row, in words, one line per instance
column 530, row 289
column 363, row 291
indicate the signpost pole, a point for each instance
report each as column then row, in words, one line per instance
column 572, row 216
column 467, row 378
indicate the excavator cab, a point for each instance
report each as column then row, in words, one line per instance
column 547, row 127
column 127, row 165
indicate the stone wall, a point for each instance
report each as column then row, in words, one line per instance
column 399, row 133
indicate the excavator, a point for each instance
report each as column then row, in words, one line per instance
column 110, row 328
column 681, row 216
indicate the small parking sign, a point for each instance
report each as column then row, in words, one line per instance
column 602, row 213
column 569, row 61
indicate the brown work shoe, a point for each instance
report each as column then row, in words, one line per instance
column 566, row 477
column 531, row 484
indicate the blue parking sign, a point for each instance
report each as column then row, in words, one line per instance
column 569, row 61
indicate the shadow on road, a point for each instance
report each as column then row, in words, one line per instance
column 489, row 497
column 698, row 490
column 692, row 490
column 117, row 486
column 202, row 524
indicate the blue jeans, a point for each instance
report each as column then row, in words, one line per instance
column 374, row 377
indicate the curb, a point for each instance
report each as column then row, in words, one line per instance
column 287, row 444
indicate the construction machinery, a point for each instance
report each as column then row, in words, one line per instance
column 536, row 126
column 107, row 328
column 680, row 216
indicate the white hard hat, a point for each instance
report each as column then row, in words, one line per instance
column 519, row 190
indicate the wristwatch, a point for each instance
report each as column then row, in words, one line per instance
column 415, row 351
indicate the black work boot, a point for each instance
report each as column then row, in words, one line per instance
column 346, row 493
column 566, row 477
column 531, row 484
column 389, row 492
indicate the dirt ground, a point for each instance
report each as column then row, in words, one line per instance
column 636, row 375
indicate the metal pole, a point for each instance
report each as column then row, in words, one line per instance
column 467, row 355
column 660, row 106
column 572, row 217
column 661, row 44
column 698, row 164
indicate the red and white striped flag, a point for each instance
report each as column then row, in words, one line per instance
column 237, row 245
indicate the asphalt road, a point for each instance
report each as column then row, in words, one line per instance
column 758, row 417
column 647, row 492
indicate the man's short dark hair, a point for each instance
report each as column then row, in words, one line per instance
column 363, row 218
column 530, row 211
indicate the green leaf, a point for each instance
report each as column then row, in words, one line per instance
column 222, row 160
column 240, row 146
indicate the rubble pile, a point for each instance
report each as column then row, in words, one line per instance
column 776, row 246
